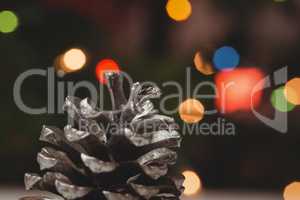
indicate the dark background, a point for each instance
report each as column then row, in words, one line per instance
column 150, row 46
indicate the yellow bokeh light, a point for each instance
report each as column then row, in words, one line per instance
column 179, row 10
column 292, row 191
column 201, row 66
column 292, row 91
column 8, row 21
column 73, row 60
column 192, row 183
column 191, row 111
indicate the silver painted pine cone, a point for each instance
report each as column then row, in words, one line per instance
column 123, row 154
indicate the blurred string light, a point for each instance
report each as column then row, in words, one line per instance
column 191, row 111
column 72, row 60
column 192, row 183
column 179, row 10
column 279, row 101
column 106, row 65
column 292, row 191
column 235, row 89
column 8, row 21
column 226, row 58
column 292, row 91
column 201, row 65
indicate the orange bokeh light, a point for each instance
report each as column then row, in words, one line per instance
column 201, row 65
column 292, row 191
column 292, row 91
column 191, row 111
column 235, row 89
column 192, row 183
column 73, row 60
column 106, row 65
column 179, row 10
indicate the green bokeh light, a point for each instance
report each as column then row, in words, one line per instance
column 280, row 102
column 8, row 21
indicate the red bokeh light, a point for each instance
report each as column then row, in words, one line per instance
column 235, row 89
column 106, row 65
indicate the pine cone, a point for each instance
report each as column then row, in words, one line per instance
column 122, row 154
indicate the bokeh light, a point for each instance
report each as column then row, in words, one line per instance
column 179, row 10
column 226, row 58
column 292, row 91
column 235, row 89
column 106, row 65
column 191, row 111
column 73, row 60
column 201, row 65
column 192, row 183
column 8, row 21
column 59, row 66
column 292, row 191
column 280, row 102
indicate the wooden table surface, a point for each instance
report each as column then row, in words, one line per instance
column 7, row 193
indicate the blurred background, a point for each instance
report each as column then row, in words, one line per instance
column 158, row 41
